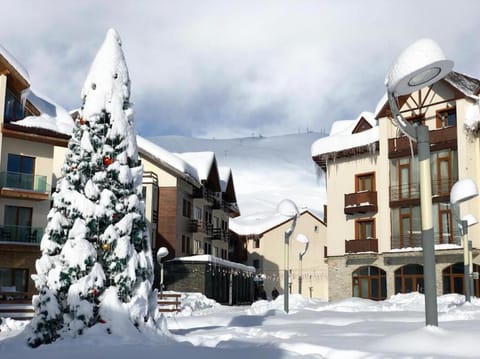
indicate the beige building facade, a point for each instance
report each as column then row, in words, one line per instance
column 374, row 232
column 264, row 238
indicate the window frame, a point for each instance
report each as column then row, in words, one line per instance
column 360, row 229
column 360, row 180
column 440, row 122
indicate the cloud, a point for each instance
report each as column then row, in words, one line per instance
column 223, row 69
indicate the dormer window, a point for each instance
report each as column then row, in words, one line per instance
column 14, row 110
column 446, row 118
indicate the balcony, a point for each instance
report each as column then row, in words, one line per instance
column 411, row 191
column 361, row 245
column 21, row 234
column 24, row 185
column 439, row 139
column 360, row 202
column 414, row 240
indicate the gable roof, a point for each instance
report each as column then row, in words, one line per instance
column 206, row 165
column 258, row 224
column 461, row 84
column 347, row 138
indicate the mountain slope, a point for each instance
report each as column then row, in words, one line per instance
column 265, row 169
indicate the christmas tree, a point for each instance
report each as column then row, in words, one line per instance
column 96, row 264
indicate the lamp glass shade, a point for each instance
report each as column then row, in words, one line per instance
column 162, row 252
column 302, row 238
column 288, row 208
column 463, row 190
column 419, row 65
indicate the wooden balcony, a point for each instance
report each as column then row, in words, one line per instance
column 360, row 202
column 361, row 245
column 440, row 139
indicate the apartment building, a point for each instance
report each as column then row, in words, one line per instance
column 263, row 234
column 26, row 174
column 374, row 232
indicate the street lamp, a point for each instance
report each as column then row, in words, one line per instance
column 161, row 253
column 419, row 65
column 463, row 191
column 302, row 239
column 289, row 209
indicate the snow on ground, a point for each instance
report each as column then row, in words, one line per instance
column 350, row 328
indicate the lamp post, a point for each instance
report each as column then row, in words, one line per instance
column 302, row 239
column 289, row 209
column 419, row 65
column 161, row 253
column 462, row 191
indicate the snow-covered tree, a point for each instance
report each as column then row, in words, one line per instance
column 96, row 263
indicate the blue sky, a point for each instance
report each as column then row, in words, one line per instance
column 222, row 69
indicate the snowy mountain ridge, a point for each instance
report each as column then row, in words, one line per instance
column 265, row 169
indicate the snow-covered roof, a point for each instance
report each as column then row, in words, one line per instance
column 259, row 223
column 207, row 258
column 52, row 117
column 225, row 174
column 167, row 157
column 15, row 63
column 202, row 161
column 341, row 136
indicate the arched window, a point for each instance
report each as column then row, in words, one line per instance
column 409, row 278
column 369, row 282
column 453, row 279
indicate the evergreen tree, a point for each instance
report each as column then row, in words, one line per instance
column 96, row 256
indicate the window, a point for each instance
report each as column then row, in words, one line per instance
column 403, row 179
column 369, row 282
column 18, row 223
column 365, row 229
column 185, row 244
column 197, row 214
column 365, row 182
column 445, row 224
column 444, row 171
column 20, row 171
column 13, row 280
column 187, row 208
column 14, row 110
column 256, row 243
column 446, row 118
column 409, row 278
column 406, row 227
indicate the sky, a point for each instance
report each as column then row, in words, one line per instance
column 227, row 69
column 351, row 328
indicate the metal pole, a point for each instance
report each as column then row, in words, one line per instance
column 470, row 269
column 161, row 278
column 466, row 273
column 300, row 277
column 423, row 145
column 285, row 272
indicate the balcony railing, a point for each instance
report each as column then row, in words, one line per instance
column 361, row 245
column 439, row 139
column 361, row 202
column 22, row 234
column 414, row 240
column 24, row 181
column 411, row 190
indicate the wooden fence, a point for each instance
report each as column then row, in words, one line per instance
column 21, row 309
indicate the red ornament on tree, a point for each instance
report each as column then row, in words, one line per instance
column 107, row 161
column 94, row 292
column 82, row 121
